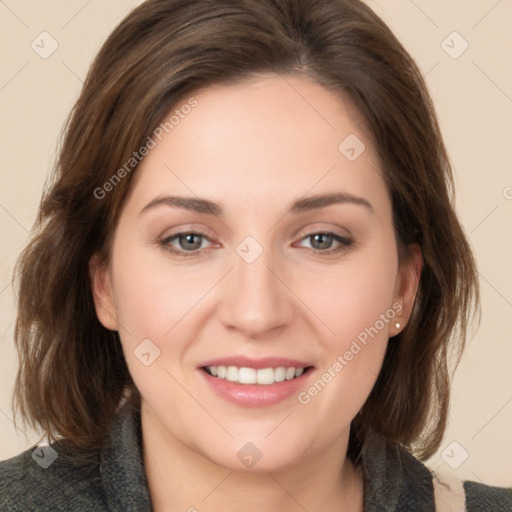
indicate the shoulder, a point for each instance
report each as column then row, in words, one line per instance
column 51, row 478
column 483, row 498
column 394, row 476
column 453, row 494
column 43, row 478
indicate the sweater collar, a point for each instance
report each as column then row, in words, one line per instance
column 394, row 480
column 122, row 464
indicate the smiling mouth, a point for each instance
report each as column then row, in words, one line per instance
column 262, row 376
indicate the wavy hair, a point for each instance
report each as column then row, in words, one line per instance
column 72, row 376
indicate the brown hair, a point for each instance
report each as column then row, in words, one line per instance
column 72, row 374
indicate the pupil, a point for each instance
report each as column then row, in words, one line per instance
column 323, row 239
column 189, row 244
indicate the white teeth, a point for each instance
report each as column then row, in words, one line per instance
column 232, row 374
column 280, row 374
column 265, row 376
column 247, row 376
column 262, row 376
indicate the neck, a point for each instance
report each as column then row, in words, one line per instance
column 180, row 478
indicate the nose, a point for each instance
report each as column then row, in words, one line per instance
column 255, row 299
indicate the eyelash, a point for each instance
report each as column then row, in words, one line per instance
column 344, row 242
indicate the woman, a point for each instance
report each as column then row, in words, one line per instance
column 247, row 273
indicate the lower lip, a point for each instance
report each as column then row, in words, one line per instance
column 256, row 395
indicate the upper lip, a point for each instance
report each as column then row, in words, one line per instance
column 249, row 362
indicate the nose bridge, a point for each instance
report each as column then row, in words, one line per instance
column 257, row 301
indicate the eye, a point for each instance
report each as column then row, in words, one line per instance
column 185, row 243
column 190, row 243
column 322, row 243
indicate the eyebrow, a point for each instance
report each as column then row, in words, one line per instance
column 305, row 204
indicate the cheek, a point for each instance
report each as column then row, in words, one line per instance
column 151, row 296
column 351, row 298
column 354, row 303
column 164, row 304
column 359, row 316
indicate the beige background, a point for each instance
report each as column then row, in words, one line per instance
column 473, row 96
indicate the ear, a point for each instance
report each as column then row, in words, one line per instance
column 101, row 288
column 406, row 287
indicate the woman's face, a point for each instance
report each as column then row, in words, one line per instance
column 257, row 235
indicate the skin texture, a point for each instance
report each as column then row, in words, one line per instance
column 254, row 148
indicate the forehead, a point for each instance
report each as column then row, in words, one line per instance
column 271, row 138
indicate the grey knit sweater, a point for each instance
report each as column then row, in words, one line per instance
column 394, row 480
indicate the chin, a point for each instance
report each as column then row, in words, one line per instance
column 252, row 461
column 258, row 456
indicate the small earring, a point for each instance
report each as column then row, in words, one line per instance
column 397, row 325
